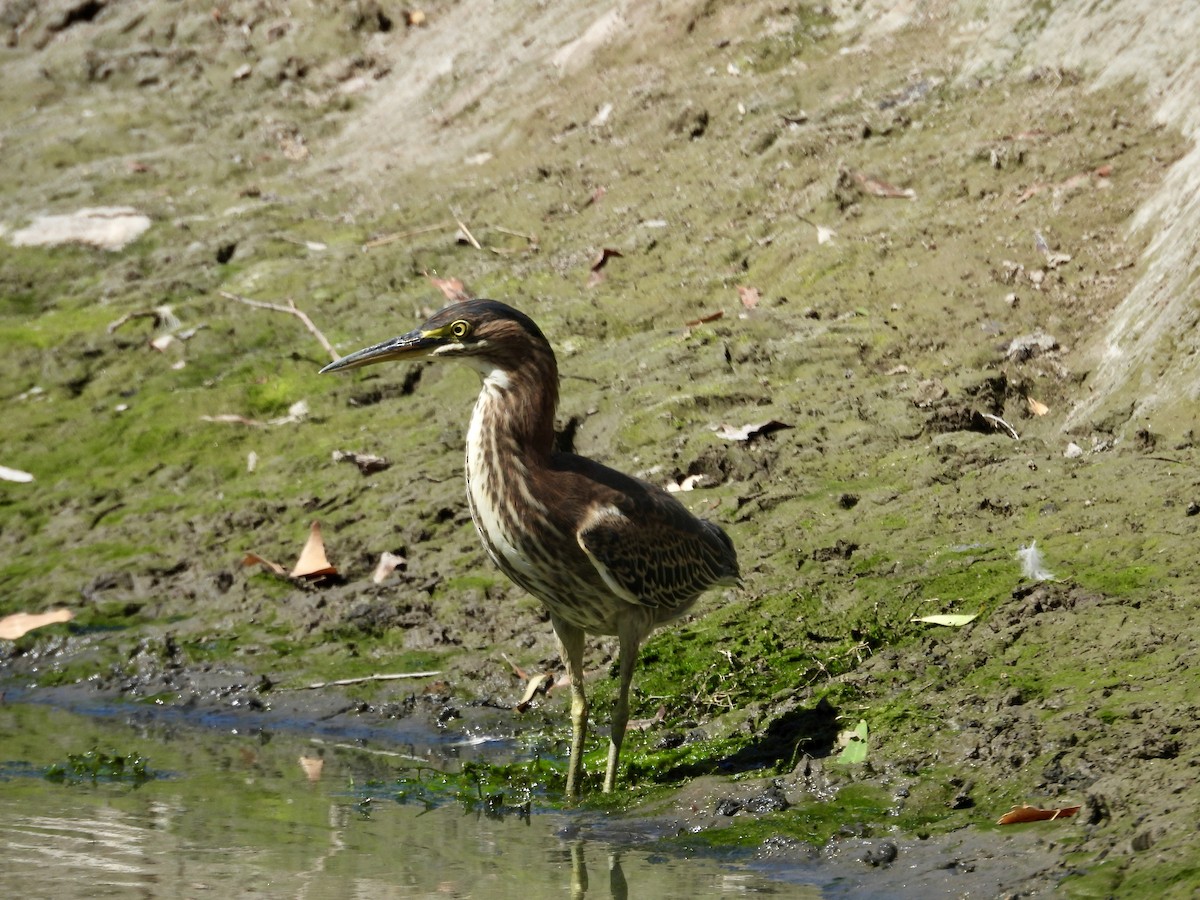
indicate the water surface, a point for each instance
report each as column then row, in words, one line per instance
column 231, row 814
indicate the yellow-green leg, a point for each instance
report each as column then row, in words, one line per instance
column 570, row 640
column 620, row 716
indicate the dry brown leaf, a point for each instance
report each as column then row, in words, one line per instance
column 311, row 564
column 253, row 559
column 296, row 412
column 1036, row 407
column 367, row 463
column 600, row 261
column 1032, row 191
column 537, row 684
column 19, row 624
column 312, row 766
column 1019, row 814
column 689, row 483
column 878, row 188
column 602, row 258
column 749, row 432
column 644, row 724
column 388, row 563
column 749, row 296
column 452, row 288
column 312, row 561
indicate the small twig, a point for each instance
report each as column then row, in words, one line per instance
column 466, row 232
column 291, row 309
column 1167, row 459
column 129, row 317
column 531, row 238
column 344, row 681
column 162, row 315
column 401, row 235
column 111, row 508
column 357, row 748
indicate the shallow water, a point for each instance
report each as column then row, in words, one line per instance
column 234, row 809
column 236, row 814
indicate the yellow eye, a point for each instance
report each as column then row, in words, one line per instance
column 460, row 329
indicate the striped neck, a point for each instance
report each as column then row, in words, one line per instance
column 511, row 437
column 514, row 415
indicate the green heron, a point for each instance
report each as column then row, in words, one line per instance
column 605, row 552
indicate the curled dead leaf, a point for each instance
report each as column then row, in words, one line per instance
column 689, row 483
column 452, row 288
column 312, row 766
column 658, row 718
column 952, row 620
column 296, row 412
column 253, row 559
column 1036, row 407
column 598, row 263
column 749, row 296
column 312, row 562
column 1019, row 814
column 601, row 259
column 20, row 624
column 539, row 683
column 367, row 463
column 878, row 188
column 749, row 432
column 388, row 563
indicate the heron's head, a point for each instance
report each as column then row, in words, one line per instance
column 485, row 334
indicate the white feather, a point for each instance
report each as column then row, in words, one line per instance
column 1032, row 564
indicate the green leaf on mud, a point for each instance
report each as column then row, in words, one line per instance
column 856, row 745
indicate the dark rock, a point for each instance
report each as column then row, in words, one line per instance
column 882, row 854
column 727, row 806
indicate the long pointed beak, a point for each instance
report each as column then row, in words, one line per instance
column 414, row 345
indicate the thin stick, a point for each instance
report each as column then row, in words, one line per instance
column 401, row 235
column 467, row 231
column 532, row 238
column 291, row 310
column 420, row 760
column 344, row 681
